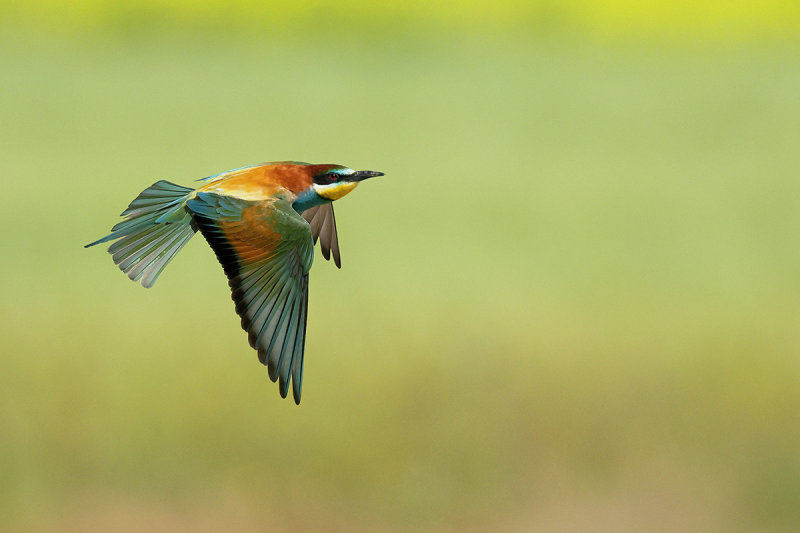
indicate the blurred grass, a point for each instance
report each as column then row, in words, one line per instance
column 701, row 21
column 571, row 305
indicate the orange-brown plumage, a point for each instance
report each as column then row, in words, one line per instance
column 262, row 223
column 251, row 238
column 263, row 181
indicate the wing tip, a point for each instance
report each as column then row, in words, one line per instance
column 297, row 388
column 107, row 238
column 272, row 370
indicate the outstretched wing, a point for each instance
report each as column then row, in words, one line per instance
column 266, row 250
column 323, row 227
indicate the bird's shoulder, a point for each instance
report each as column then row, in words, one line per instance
column 251, row 184
column 261, row 223
column 260, row 182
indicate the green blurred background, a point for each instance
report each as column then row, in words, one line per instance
column 571, row 305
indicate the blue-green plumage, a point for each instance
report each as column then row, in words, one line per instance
column 267, row 268
column 262, row 222
column 308, row 199
column 146, row 245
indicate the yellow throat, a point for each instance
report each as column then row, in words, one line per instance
column 334, row 191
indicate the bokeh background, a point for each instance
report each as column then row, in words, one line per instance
column 571, row 305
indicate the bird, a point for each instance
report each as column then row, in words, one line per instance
column 262, row 222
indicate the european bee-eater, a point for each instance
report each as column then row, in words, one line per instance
column 262, row 222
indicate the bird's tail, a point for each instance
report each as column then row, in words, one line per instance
column 155, row 228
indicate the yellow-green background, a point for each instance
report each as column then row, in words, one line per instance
column 572, row 304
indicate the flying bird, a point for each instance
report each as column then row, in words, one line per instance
column 262, row 222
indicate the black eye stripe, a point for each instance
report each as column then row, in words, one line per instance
column 327, row 178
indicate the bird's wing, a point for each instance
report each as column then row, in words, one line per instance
column 323, row 227
column 266, row 250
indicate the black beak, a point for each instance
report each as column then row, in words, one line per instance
column 361, row 175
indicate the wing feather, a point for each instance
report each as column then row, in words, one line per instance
column 266, row 250
column 323, row 227
column 299, row 347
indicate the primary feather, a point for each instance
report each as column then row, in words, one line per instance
column 262, row 222
column 266, row 250
column 323, row 227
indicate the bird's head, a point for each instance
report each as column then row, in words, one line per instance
column 329, row 183
column 336, row 181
